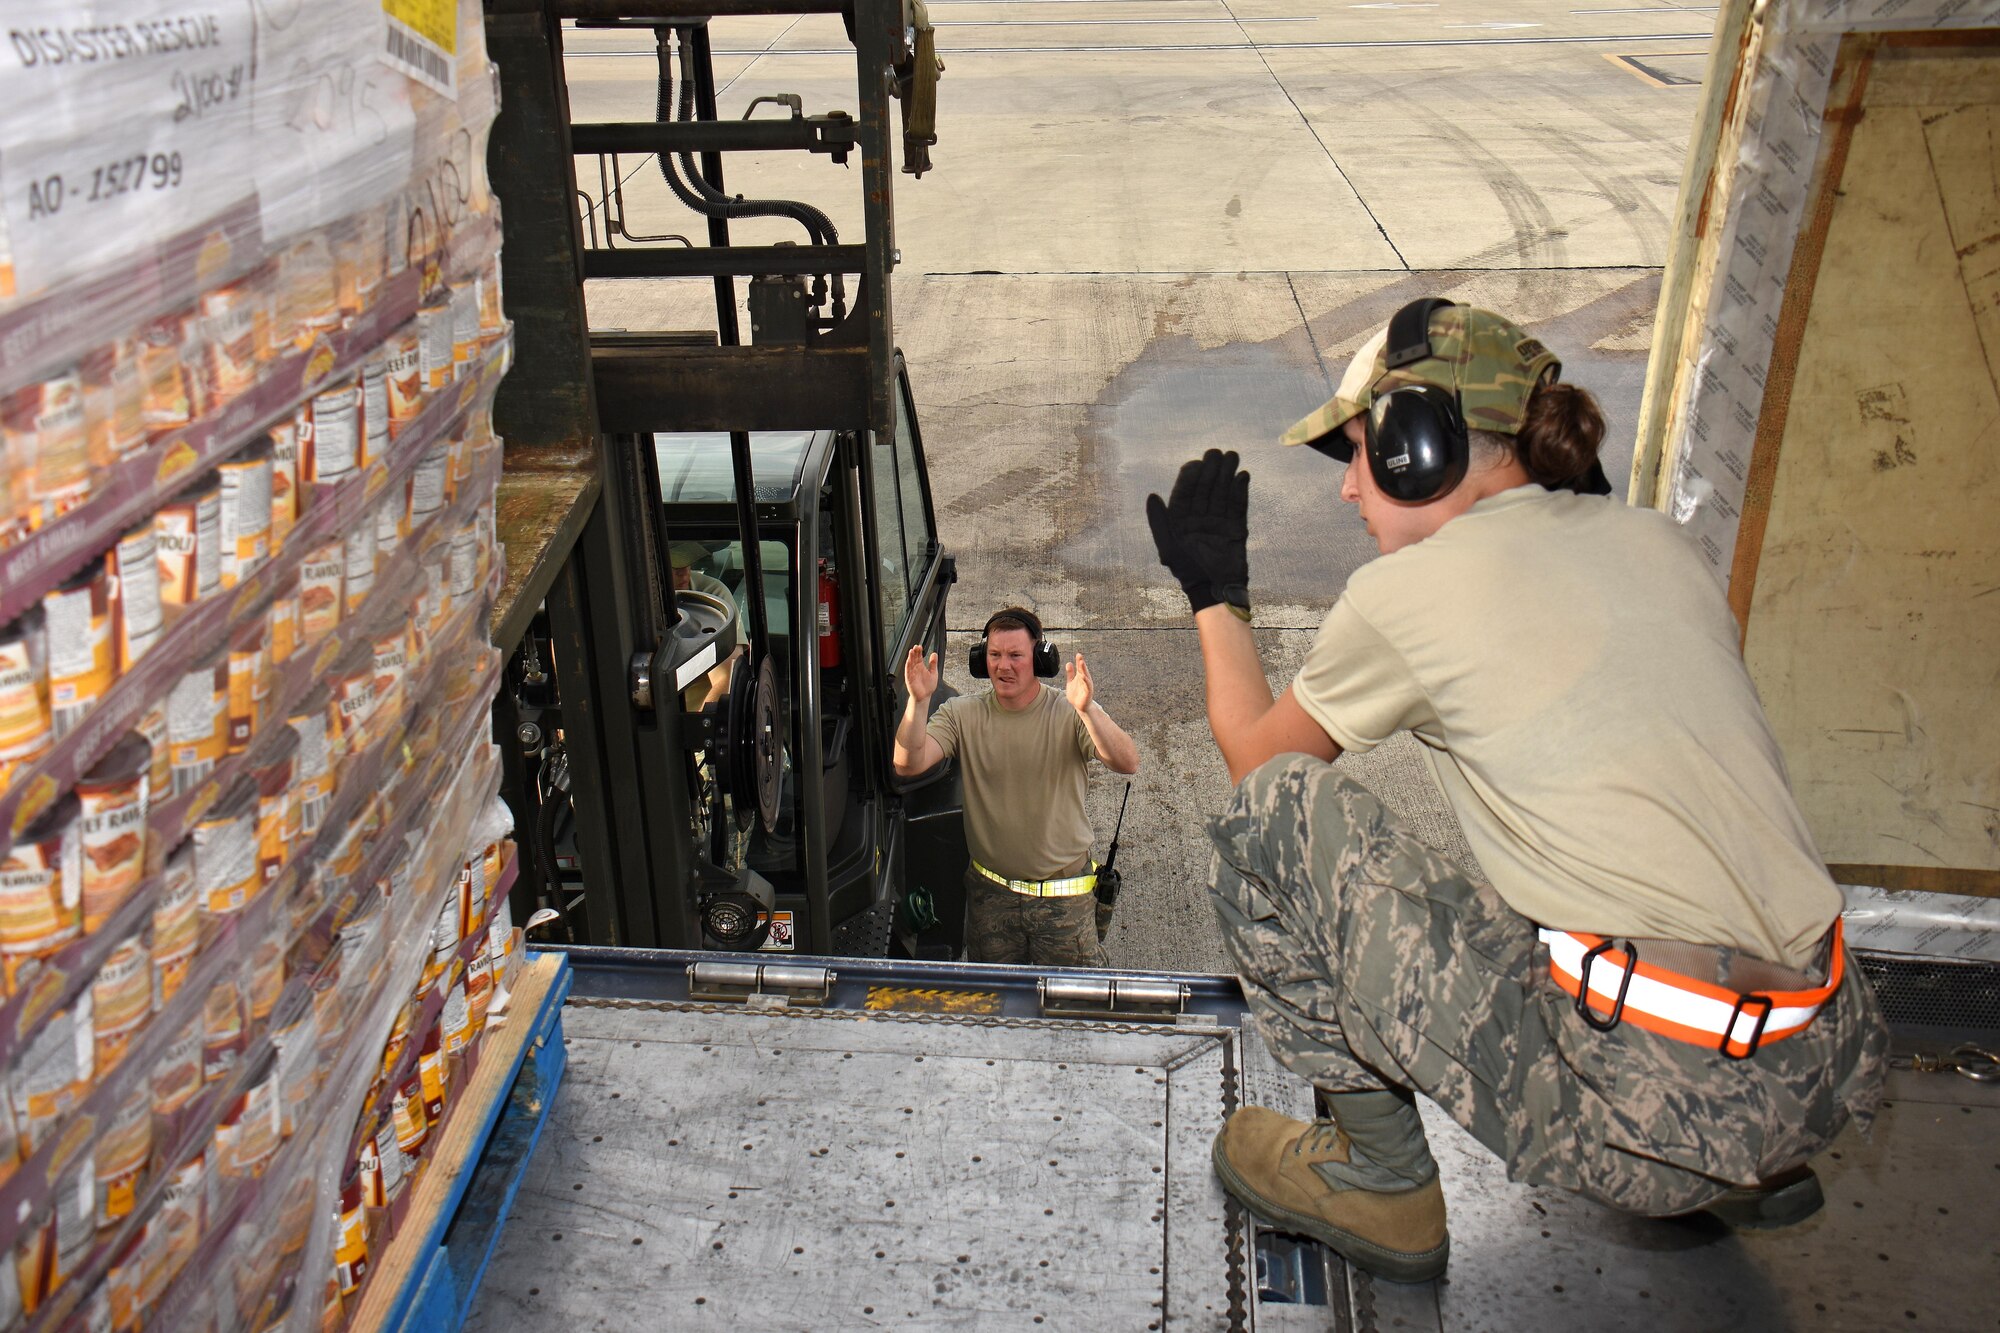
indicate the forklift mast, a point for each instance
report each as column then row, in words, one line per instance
column 580, row 502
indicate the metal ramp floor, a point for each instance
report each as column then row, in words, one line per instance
column 708, row 1166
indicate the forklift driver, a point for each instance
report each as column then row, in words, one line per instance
column 1575, row 677
column 1025, row 749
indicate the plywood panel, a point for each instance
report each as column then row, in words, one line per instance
column 1873, row 596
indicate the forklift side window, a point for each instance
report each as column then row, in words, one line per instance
column 902, row 520
column 889, row 538
column 918, row 534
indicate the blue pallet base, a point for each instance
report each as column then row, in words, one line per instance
column 462, row 1238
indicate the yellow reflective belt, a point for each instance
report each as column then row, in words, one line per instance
column 1045, row 888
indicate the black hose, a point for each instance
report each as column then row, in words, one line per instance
column 695, row 191
column 546, row 815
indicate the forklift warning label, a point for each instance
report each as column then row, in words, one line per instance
column 917, row 999
column 780, row 939
column 423, row 42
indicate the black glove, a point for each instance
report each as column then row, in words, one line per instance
column 1202, row 532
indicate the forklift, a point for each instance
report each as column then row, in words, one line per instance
column 697, row 722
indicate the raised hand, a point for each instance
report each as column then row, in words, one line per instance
column 1202, row 531
column 1078, row 689
column 920, row 677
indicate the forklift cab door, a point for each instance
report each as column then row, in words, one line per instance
column 853, row 576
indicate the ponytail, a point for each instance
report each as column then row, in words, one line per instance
column 1560, row 434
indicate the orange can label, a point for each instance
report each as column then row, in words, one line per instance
column 135, row 565
column 81, row 658
column 62, row 462
column 24, row 720
column 286, row 632
column 246, row 516
column 176, row 924
column 225, row 856
column 336, row 446
column 322, row 590
column 198, row 724
column 284, row 482
column 188, row 541
column 121, row 999
column 41, row 894
column 229, row 325
column 406, row 377
column 113, row 828
column 246, row 671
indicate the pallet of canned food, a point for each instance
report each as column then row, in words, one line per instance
column 250, row 330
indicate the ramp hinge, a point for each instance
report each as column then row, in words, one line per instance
column 762, row 985
column 1145, row 999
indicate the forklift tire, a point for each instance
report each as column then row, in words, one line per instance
column 734, row 759
column 767, row 741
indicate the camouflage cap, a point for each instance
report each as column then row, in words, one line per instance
column 1490, row 362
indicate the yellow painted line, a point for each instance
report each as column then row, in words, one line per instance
column 1630, row 63
column 916, row 999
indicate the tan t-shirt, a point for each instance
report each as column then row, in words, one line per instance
column 1025, row 776
column 1575, row 673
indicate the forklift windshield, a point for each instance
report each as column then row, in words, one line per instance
column 695, row 465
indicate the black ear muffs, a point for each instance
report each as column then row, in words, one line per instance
column 1418, row 448
column 1048, row 661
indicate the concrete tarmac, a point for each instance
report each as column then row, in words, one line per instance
column 1156, row 226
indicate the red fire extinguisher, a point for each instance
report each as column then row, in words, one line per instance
column 829, row 616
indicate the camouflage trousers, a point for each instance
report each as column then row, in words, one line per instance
column 1002, row 926
column 1370, row 960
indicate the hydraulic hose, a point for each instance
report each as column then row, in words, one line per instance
column 545, row 846
column 696, row 193
column 554, row 797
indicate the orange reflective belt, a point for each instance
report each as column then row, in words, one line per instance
column 1623, row 988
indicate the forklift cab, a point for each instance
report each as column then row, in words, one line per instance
column 852, row 577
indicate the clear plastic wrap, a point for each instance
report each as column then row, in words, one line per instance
column 252, row 1022
column 188, row 1025
column 332, row 201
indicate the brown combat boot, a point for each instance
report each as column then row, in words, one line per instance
column 1269, row 1162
